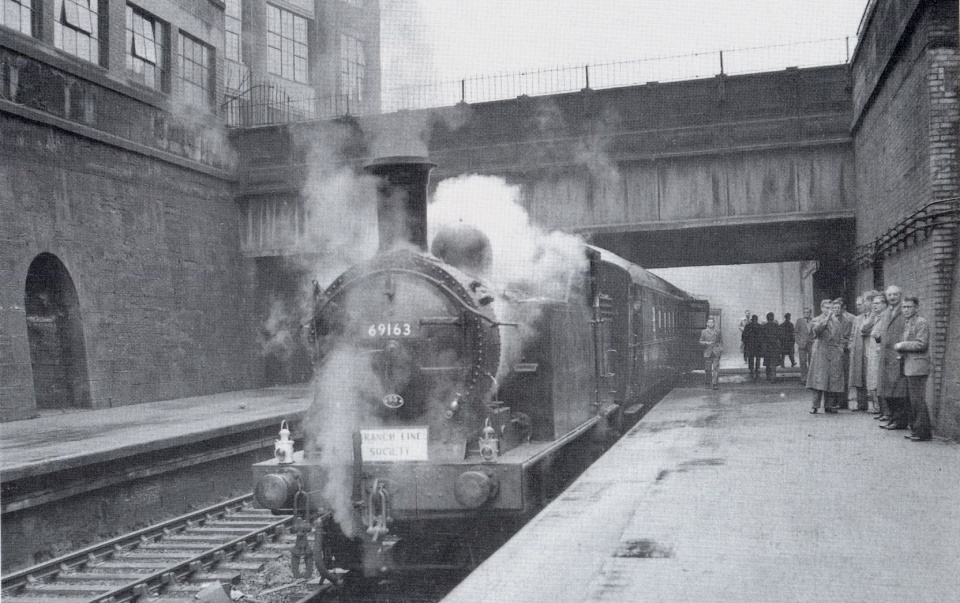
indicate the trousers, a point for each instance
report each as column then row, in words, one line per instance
column 919, row 414
column 712, row 367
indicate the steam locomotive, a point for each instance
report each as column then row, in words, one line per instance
column 449, row 409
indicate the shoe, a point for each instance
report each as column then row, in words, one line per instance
column 880, row 417
column 920, row 438
column 832, row 411
column 813, row 411
column 895, row 427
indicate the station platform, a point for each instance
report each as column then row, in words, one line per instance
column 740, row 494
column 71, row 440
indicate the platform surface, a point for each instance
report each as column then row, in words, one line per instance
column 741, row 495
column 74, row 439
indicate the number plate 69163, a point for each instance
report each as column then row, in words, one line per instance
column 390, row 329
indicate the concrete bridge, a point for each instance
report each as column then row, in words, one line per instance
column 724, row 170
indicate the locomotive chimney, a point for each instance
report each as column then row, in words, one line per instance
column 401, row 200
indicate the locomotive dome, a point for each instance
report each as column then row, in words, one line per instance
column 463, row 246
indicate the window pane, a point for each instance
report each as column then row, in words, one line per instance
column 287, row 41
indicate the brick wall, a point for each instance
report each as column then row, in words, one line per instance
column 890, row 146
column 905, row 141
column 153, row 251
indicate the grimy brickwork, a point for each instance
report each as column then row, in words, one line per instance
column 153, row 251
column 905, row 139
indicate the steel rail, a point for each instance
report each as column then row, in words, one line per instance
column 114, row 549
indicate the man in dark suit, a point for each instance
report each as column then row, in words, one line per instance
column 893, row 385
column 914, row 348
column 771, row 346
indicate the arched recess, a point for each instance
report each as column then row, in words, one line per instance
column 55, row 332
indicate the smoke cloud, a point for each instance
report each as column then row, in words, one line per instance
column 527, row 261
column 525, row 256
column 340, row 211
column 341, row 388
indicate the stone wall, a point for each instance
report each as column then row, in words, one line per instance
column 153, row 251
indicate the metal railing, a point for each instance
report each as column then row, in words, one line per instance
column 268, row 103
column 908, row 230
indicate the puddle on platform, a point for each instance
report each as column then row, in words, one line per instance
column 643, row 548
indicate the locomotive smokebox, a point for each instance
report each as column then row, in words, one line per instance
column 401, row 200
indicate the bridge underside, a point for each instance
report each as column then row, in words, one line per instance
column 825, row 238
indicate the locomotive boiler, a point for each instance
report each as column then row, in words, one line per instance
column 448, row 409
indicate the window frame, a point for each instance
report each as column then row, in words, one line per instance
column 79, row 22
column 185, row 82
column 25, row 8
column 350, row 67
column 292, row 36
column 142, row 68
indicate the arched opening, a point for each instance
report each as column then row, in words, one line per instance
column 55, row 332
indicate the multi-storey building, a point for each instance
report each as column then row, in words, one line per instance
column 121, row 279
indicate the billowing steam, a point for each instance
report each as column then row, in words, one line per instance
column 278, row 331
column 527, row 261
column 340, row 210
column 525, row 257
column 340, row 389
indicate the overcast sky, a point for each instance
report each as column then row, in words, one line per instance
column 431, row 40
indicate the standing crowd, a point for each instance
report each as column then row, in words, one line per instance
column 882, row 354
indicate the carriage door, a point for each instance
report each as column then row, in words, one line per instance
column 635, row 344
column 694, row 315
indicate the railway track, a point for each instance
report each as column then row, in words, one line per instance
column 167, row 562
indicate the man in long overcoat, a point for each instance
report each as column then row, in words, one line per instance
column 893, row 385
column 825, row 377
column 771, row 346
column 858, row 359
column 846, row 322
column 751, row 346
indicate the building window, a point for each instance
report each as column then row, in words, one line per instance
column 146, row 52
column 196, row 71
column 233, row 23
column 353, row 66
column 17, row 15
column 76, row 28
column 287, row 44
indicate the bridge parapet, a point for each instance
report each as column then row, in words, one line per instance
column 728, row 148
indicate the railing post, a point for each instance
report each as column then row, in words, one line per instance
column 586, row 70
column 848, row 48
column 721, row 62
column 463, row 91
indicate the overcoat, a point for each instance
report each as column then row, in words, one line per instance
column 826, row 359
column 892, row 382
column 787, row 337
column 751, row 339
column 858, row 349
column 771, row 345
column 871, row 352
